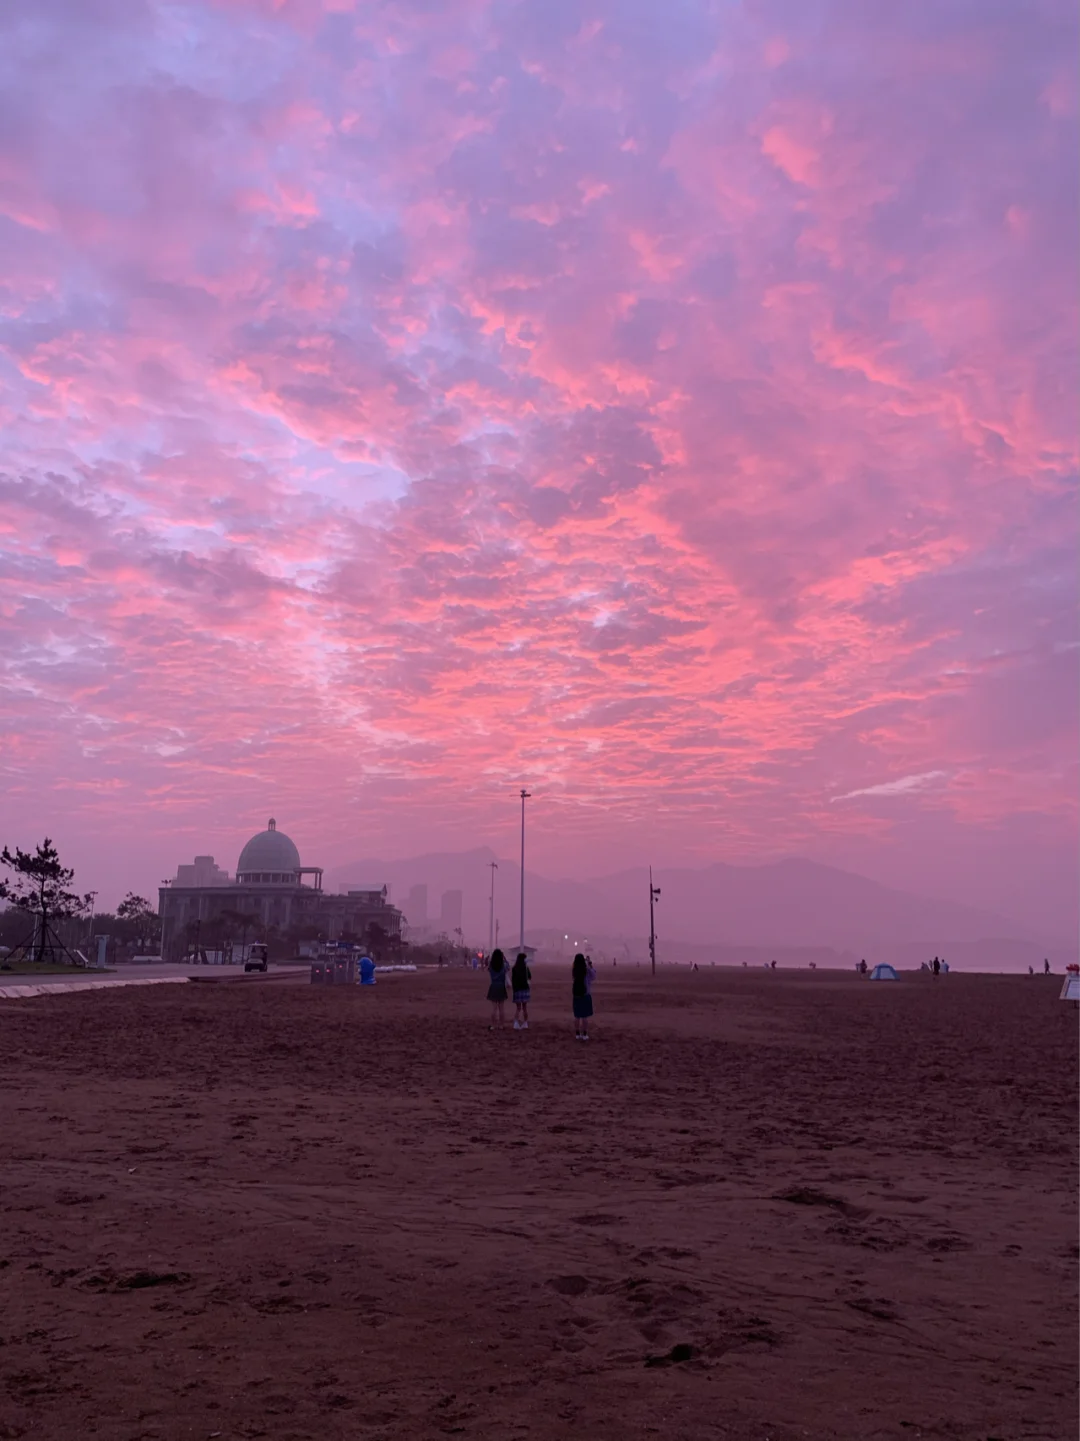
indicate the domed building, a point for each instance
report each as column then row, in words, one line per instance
column 271, row 859
column 273, row 896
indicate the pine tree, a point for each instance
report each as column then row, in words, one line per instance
column 39, row 885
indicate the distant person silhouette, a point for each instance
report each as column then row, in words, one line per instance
column 772, row 965
column 581, row 991
column 497, row 975
column 937, row 966
column 520, row 981
column 1046, row 967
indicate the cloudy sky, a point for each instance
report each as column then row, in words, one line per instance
column 669, row 405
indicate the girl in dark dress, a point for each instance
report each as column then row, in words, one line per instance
column 520, row 982
column 582, row 976
column 497, row 977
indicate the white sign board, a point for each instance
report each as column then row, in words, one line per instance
column 1070, row 991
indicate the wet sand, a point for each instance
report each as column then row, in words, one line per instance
column 754, row 1206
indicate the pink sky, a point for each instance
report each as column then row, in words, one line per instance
column 670, row 407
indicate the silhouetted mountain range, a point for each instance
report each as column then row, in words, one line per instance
column 786, row 904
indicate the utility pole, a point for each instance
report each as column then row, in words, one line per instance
column 654, row 896
column 524, row 798
column 491, row 913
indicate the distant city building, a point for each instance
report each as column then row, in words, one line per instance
column 416, row 906
column 203, row 873
column 450, row 912
column 272, row 891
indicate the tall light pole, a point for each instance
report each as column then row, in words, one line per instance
column 654, row 896
column 524, row 798
column 90, row 930
column 491, row 913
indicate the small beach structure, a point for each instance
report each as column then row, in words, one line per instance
column 884, row 973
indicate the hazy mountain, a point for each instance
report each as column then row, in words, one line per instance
column 792, row 903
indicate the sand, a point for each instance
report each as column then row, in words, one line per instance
column 754, row 1206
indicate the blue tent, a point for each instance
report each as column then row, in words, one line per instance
column 884, row 973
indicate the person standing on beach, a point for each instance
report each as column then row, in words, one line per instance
column 497, row 974
column 582, row 976
column 1046, row 966
column 520, row 979
column 937, row 966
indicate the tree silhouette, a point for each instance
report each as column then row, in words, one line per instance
column 39, row 885
column 232, row 921
column 140, row 915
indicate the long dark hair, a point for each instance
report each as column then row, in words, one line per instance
column 519, row 976
column 497, row 962
column 579, row 974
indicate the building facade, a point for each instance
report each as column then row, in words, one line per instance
column 450, row 912
column 272, row 894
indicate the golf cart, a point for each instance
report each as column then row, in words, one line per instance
column 256, row 958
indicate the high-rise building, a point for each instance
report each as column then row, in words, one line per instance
column 416, row 907
column 450, row 912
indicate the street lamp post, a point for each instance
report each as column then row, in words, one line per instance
column 90, row 930
column 524, row 798
column 491, row 912
column 654, row 896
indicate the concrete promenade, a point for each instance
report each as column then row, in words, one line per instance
column 20, row 987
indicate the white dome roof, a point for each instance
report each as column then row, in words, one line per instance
column 270, row 851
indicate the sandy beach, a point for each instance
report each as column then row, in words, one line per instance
column 755, row 1206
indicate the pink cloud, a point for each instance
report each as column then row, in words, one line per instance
column 401, row 404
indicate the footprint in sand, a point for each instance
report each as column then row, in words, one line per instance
column 569, row 1285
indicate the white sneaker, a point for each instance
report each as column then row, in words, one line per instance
column 517, row 1026
column 524, row 1025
